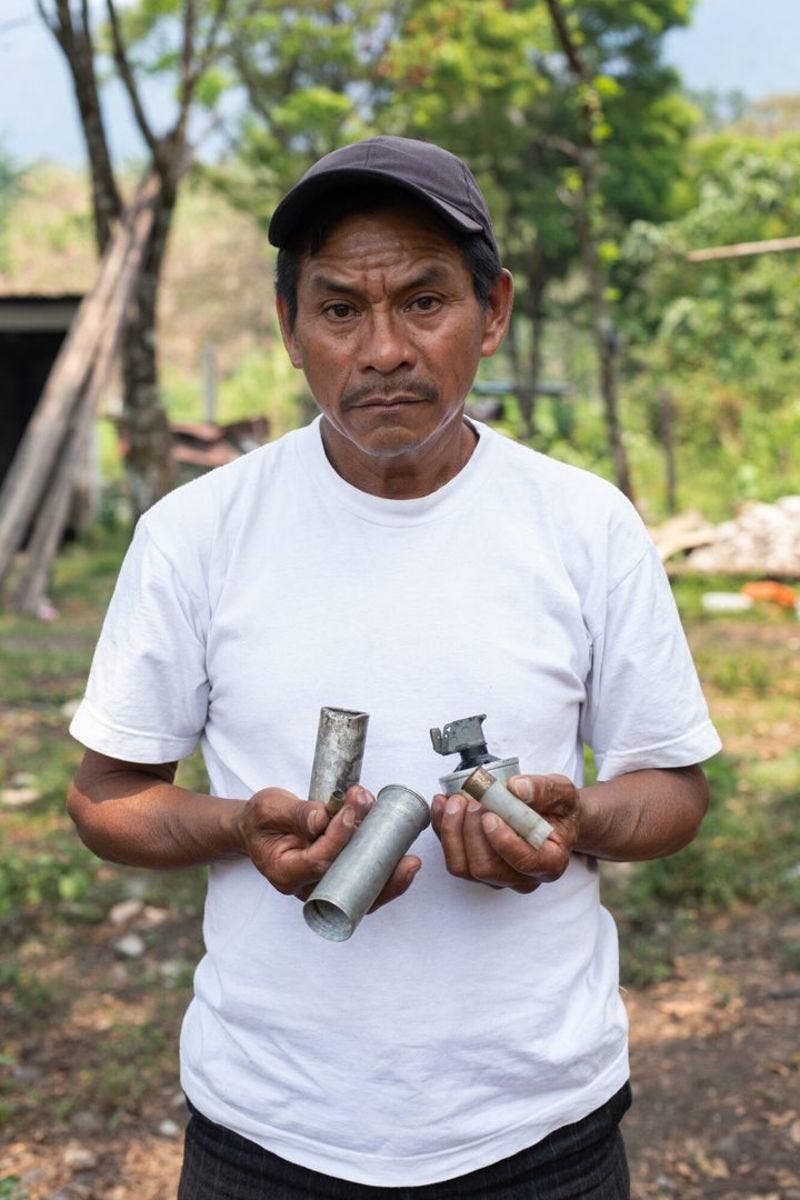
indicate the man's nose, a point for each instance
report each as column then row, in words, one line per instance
column 385, row 344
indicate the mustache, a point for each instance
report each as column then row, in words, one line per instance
column 387, row 389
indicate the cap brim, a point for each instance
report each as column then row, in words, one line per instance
column 292, row 211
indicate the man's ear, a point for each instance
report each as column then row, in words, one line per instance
column 287, row 333
column 498, row 313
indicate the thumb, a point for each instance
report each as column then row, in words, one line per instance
column 311, row 819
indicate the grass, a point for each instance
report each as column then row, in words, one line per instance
column 748, row 849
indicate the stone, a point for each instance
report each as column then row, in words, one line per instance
column 79, row 1158
column 130, row 946
column 125, row 911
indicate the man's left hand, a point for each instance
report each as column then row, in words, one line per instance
column 478, row 845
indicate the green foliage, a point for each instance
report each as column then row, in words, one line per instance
column 30, row 882
column 723, row 869
column 11, row 1188
column 720, row 335
column 304, row 70
column 10, row 191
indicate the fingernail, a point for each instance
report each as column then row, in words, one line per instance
column 523, row 788
column 348, row 817
column 491, row 822
column 472, row 805
column 453, row 806
column 317, row 822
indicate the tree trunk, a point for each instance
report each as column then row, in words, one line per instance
column 517, row 374
column 526, row 379
column 667, row 431
column 588, row 162
column 537, row 284
column 604, row 333
column 76, row 43
column 145, row 427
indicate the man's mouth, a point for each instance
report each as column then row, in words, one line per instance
column 408, row 394
column 389, row 402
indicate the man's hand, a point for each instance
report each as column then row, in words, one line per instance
column 134, row 813
column 477, row 845
column 292, row 842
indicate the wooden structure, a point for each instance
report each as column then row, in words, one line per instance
column 37, row 491
column 32, row 330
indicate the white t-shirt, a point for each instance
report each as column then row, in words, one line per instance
column 460, row 1023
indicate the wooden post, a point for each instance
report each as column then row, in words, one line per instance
column 80, row 368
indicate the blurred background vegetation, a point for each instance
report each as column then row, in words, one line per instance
column 707, row 386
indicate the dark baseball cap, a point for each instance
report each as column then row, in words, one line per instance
column 425, row 170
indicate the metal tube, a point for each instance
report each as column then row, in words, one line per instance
column 496, row 797
column 338, row 753
column 355, row 878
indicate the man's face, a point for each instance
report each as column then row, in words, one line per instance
column 389, row 333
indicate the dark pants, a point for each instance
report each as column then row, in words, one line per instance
column 584, row 1161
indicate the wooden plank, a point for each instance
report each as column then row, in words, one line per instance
column 85, row 356
column 743, row 249
column 54, row 511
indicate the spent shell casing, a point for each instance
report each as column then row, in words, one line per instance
column 338, row 753
column 495, row 796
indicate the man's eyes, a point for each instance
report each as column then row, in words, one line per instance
column 425, row 303
column 341, row 310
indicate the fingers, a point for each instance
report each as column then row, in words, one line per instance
column 478, row 845
column 521, row 860
column 550, row 795
column 400, row 881
column 293, row 842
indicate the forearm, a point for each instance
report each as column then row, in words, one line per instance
column 645, row 814
column 139, row 817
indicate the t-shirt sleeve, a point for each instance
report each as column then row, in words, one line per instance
column 644, row 705
column 147, row 695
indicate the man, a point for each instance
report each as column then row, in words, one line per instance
column 396, row 558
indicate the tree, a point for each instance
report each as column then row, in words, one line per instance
column 309, row 73
column 720, row 334
column 182, row 39
column 501, row 92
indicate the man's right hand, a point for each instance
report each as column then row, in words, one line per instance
column 134, row 813
column 292, row 842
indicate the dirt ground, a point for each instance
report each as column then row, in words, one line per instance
column 89, row 1101
column 716, row 1073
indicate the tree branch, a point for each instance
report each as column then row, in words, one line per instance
column 569, row 48
column 589, row 100
column 129, row 83
column 188, row 74
column 210, row 46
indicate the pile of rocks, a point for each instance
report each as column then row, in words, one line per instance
column 764, row 539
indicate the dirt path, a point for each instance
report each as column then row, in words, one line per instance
column 716, row 1069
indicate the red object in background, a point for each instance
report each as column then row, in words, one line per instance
column 772, row 591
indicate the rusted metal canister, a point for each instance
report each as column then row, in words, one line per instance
column 495, row 796
column 338, row 754
column 354, row 880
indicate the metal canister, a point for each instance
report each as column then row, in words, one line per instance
column 501, row 768
column 354, row 880
column 338, row 754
